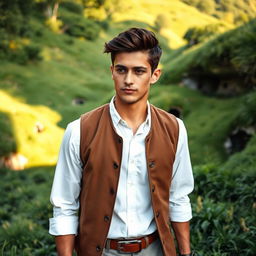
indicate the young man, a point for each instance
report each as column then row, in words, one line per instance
column 124, row 170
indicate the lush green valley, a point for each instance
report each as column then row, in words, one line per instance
column 52, row 70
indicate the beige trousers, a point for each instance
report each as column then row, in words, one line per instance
column 154, row 249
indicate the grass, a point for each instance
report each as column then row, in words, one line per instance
column 25, row 211
column 232, row 51
column 176, row 14
column 43, row 91
column 209, row 120
column 38, row 148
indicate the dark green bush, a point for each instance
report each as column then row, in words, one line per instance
column 32, row 52
column 232, row 52
column 104, row 24
column 7, row 138
column 72, row 7
column 224, row 212
column 80, row 27
column 24, row 54
column 197, row 35
column 24, row 213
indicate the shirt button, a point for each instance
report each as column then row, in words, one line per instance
column 98, row 248
column 157, row 214
column 151, row 164
column 106, row 218
column 120, row 140
column 153, row 188
column 115, row 165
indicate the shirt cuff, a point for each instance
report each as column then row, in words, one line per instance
column 63, row 225
column 180, row 213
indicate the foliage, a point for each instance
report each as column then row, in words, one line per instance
column 24, row 213
column 14, row 16
column 233, row 50
column 7, row 144
column 16, row 31
column 197, row 35
column 79, row 26
column 73, row 7
column 233, row 11
column 224, row 211
column 246, row 113
column 20, row 51
column 223, row 202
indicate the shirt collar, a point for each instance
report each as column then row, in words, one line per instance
column 116, row 118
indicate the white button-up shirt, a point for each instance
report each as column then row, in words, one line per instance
column 133, row 215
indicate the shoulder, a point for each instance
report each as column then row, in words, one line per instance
column 97, row 112
column 72, row 132
column 164, row 116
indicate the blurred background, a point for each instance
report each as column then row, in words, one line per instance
column 52, row 69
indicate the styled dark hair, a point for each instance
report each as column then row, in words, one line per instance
column 135, row 39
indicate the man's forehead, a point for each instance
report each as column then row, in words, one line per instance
column 132, row 59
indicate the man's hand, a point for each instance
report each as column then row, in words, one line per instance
column 65, row 245
column 182, row 234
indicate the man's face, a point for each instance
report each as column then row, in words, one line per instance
column 132, row 76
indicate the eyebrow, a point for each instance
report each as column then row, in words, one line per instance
column 136, row 67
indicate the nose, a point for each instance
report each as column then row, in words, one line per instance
column 128, row 78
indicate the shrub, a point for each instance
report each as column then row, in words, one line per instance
column 80, row 27
column 72, row 7
column 8, row 144
column 197, row 35
column 224, row 212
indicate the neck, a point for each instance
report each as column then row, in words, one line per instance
column 134, row 114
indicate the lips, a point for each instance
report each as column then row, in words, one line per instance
column 128, row 90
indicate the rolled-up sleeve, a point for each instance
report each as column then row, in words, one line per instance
column 182, row 180
column 66, row 184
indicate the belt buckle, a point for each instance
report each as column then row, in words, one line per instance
column 120, row 247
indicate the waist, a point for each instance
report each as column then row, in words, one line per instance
column 131, row 245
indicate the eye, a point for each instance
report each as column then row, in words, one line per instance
column 120, row 70
column 139, row 71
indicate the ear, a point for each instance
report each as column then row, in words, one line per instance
column 112, row 70
column 156, row 75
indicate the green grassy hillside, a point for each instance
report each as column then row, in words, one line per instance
column 48, row 79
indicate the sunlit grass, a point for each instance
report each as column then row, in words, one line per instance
column 40, row 148
column 178, row 17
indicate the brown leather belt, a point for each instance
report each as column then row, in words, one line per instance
column 131, row 245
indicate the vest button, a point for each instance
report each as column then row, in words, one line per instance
column 115, row 165
column 98, row 248
column 106, row 218
column 153, row 188
column 157, row 214
column 112, row 191
column 151, row 164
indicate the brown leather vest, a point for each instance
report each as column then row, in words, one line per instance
column 100, row 152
